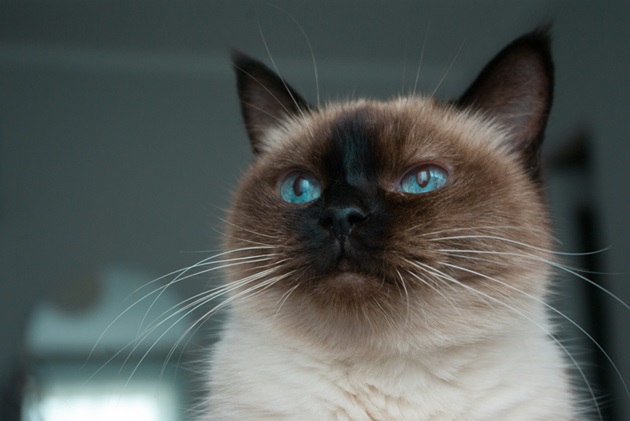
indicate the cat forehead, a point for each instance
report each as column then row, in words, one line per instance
column 404, row 126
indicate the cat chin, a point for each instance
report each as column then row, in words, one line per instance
column 347, row 285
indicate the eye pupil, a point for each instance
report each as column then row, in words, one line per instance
column 423, row 176
column 423, row 179
column 300, row 188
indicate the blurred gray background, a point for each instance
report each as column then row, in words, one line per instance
column 121, row 139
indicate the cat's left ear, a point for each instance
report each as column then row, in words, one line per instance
column 266, row 99
column 516, row 90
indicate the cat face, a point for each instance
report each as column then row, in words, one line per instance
column 369, row 221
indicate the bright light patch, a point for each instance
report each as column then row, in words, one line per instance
column 100, row 408
column 103, row 401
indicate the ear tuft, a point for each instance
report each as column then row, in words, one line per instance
column 516, row 90
column 265, row 98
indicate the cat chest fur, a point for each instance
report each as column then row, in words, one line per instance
column 483, row 381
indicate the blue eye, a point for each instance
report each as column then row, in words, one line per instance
column 300, row 188
column 423, row 179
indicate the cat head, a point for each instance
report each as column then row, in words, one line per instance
column 408, row 222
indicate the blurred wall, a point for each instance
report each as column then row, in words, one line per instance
column 120, row 134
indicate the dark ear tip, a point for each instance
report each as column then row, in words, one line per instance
column 539, row 39
column 265, row 97
column 240, row 60
column 544, row 32
column 534, row 46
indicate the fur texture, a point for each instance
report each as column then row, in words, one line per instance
column 369, row 302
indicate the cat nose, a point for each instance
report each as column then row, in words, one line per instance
column 342, row 221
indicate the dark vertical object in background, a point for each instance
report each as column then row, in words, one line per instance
column 12, row 396
column 576, row 156
column 586, row 215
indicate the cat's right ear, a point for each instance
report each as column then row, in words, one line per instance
column 266, row 100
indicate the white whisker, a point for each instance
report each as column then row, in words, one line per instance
column 192, row 303
column 205, row 261
column 492, row 228
column 402, row 282
column 222, row 289
column 424, row 44
column 434, row 288
column 284, row 298
column 257, row 234
column 275, row 67
column 450, row 66
column 188, row 312
column 543, row 260
column 179, row 278
column 529, row 319
column 561, row 314
column 308, row 43
column 192, row 329
column 519, row 243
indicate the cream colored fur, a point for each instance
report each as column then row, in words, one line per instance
column 266, row 375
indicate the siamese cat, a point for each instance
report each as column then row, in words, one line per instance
column 391, row 260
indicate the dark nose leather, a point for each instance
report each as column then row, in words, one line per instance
column 342, row 221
